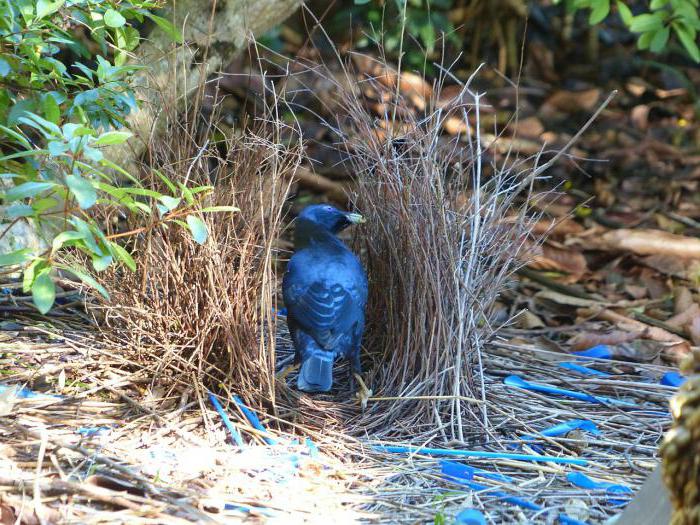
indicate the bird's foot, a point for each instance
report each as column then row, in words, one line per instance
column 363, row 393
column 282, row 376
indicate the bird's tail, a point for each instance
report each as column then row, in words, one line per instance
column 316, row 373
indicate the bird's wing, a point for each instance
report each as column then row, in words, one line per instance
column 324, row 311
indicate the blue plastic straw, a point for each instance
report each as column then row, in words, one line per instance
column 477, row 454
column 565, row 428
column 493, row 491
column 459, row 470
column 584, row 370
column 253, row 419
column 579, row 479
column 235, row 435
column 519, row 382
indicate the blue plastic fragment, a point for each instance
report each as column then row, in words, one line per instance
column 598, row 351
column 478, row 454
column 449, row 470
column 672, row 379
column 235, row 435
column 584, row 370
column 253, row 419
column 92, row 431
column 579, row 479
column 470, row 517
column 282, row 312
column 519, row 382
column 248, row 509
column 25, row 393
column 566, row 427
column 311, row 446
column 459, row 470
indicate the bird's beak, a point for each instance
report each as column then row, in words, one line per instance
column 354, row 218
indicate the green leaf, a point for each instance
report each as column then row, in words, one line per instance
column 647, row 22
column 657, row 4
column 112, row 137
column 219, row 208
column 19, row 209
column 41, row 205
column 16, row 257
column 166, row 181
column 64, row 237
column 84, row 192
column 50, row 108
column 27, row 189
column 198, row 229
column 687, row 37
column 167, row 27
column 169, row 202
column 101, row 263
column 29, row 272
column 45, row 8
column 186, row 193
column 599, row 11
column 123, row 255
column 87, row 279
column 644, row 40
column 113, row 18
column 43, row 291
column 658, row 43
column 625, row 13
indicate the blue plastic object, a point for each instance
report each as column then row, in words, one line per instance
column 312, row 447
column 470, row 517
column 598, row 351
column 672, row 379
column 459, row 470
column 253, row 419
column 478, row 454
column 566, row 427
column 584, row 370
column 613, row 489
column 235, row 435
column 92, row 431
column 25, row 393
column 519, row 382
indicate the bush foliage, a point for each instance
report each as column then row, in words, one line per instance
column 56, row 120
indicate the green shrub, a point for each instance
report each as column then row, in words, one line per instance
column 55, row 123
column 663, row 19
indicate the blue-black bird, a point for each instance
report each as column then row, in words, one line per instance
column 325, row 292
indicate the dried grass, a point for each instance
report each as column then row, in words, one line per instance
column 205, row 314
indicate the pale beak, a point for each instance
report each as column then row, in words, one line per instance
column 355, row 218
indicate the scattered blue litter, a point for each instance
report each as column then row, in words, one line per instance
column 519, row 382
column 478, row 454
column 249, row 509
column 253, row 419
column 580, row 480
column 235, row 435
column 6, row 291
column 598, row 352
column 470, row 517
column 448, row 470
column 281, row 311
column 459, row 470
column 584, row 370
column 92, row 431
column 25, row 393
column 672, row 379
column 312, row 448
column 566, row 427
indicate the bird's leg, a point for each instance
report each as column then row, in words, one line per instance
column 363, row 393
column 282, row 376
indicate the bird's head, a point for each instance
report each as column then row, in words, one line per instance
column 329, row 217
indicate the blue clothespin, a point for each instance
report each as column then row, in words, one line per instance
column 519, row 382
column 583, row 370
column 598, row 352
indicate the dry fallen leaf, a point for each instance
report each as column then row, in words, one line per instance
column 571, row 101
column 550, row 258
column 647, row 242
column 585, row 340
